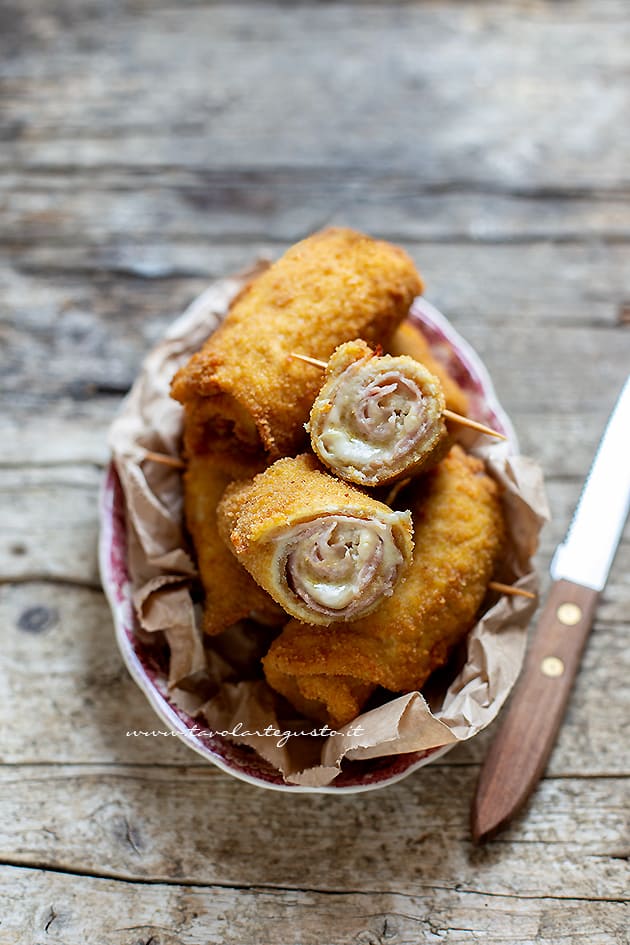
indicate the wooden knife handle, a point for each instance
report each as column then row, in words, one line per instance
column 520, row 751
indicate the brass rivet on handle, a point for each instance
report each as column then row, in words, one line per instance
column 552, row 666
column 569, row 614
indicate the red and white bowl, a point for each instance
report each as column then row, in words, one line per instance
column 148, row 664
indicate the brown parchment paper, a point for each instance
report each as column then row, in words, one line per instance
column 218, row 678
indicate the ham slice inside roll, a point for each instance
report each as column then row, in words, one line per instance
column 377, row 419
column 339, row 566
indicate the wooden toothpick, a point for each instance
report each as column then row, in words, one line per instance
column 307, row 360
column 448, row 414
column 165, row 460
column 473, row 424
column 509, row 589
column 396, row 488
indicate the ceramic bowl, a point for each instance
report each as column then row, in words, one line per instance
column 148, row 664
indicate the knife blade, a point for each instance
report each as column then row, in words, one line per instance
column 519, row 753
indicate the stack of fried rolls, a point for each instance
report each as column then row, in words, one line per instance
column 246, row 399
column 279, row 534
column 329, row 672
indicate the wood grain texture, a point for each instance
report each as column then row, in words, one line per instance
column 513, row 94
column 129, row 823
column 65, row 910
column 148, row 147
column 282, row 205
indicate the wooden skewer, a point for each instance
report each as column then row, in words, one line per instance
column 449, row 414
column 508, row 589
column 473, row 424
column 307, row 360
column 396, row 488
column 165, row 460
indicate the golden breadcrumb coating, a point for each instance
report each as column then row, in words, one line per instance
column 230, row 593
column 244, row 387
column 459, row 533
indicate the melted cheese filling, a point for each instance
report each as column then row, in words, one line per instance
column 339, row 565
column 370, row 424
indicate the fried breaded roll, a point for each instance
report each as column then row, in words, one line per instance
column 243, row 390
column 377, row 419
column 329, row 672
column 409, row 340
column 231, row 594
column 323, row 550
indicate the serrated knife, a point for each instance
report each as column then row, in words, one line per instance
column 519, row 753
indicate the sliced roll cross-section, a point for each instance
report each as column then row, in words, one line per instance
column 324, row 551
column 377, row 418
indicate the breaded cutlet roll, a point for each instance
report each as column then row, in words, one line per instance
column 230, row 593
column 377, row 418
column 243, row 391
column 328, row 672
column 321, row 548
column 409, row 340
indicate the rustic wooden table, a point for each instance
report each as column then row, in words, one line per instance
column 150, row 145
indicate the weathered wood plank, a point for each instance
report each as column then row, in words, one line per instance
column 74, row 432
column 482, row 92
column 64, row 686
column 197, row 825
column 71, row 434
column 115, row 274
column 284, row 205
column 61, row 660
column 49, row 524
column 554, row 283
column 72, row 910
